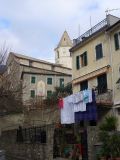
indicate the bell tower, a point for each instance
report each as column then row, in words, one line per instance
column 62, row 54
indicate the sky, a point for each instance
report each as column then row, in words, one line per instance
column 34, row 27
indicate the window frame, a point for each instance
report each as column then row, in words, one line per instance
column 81, row 88
column 84, row 62
column 118, row 41
column 48, row 78
column 50, row 94
column 31, row 93
column 77, row 62
column 100, row 56
column 32, row 79
column 102, row 90
column 61, row 85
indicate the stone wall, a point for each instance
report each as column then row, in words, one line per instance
column 92, row 138
column 27, row 151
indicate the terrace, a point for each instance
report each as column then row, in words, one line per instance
column 104, row 98
column 90, row 32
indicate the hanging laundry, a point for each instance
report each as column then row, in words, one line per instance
column 87, row 96
column 79, row 104
column 67, row 113
column 91, row 111
column 60, row 103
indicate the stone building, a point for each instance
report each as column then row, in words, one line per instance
column 96, row 65
column 38, row 78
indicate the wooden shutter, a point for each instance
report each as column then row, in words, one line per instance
column 85, row 59
column 116, row 41
column 77, row 62
column 99, row 52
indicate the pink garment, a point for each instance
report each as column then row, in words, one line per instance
column 60, row 103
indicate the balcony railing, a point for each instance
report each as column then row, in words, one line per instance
column 91, row 31
column 104, row 98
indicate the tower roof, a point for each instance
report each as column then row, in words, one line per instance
column 65, row 40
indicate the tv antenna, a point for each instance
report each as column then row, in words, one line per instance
column 110, row 10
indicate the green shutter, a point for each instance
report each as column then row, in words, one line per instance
column 85, row 58
column 32, row 93
column 116, row 40
column 99, row 51
column 49, row 80
column 49, row 93
column 77, row 62
column 32, row 79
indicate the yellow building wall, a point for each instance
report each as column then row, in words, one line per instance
column 115, row 66
column 93, row 64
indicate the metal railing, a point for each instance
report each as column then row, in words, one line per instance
column 91, row 31
column 104, row 97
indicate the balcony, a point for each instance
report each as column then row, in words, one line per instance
column 90, row 32
column 104, row 98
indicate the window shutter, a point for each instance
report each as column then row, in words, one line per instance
column 77, row 62
column 99, row 51
column 49, row 81
column 116, row 40
column 49, row 93
column 32, row 79
column 32, row 93
column 85, row 58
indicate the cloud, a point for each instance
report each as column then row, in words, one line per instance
column 34, row 27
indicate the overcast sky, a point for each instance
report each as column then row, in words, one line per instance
column 34, row 27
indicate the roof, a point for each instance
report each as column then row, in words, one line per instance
column 109, row 22
column 37, row 60
column 113, row 26
column 65, row 41
column 42, row 71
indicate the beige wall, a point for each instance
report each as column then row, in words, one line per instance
column 110, row 57
column 93, row 64
column 115, row 66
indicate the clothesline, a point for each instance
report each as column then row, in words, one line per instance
column 78, row 107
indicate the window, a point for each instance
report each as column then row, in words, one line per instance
column 84, row 85
column 84, row 59
column 61, row 82
column 78, row 62
column 32, row 93
column 49, row 93
column 117, row 41
column 99, row 51
column 49, row 81
column 102, row 83
column 33, row 79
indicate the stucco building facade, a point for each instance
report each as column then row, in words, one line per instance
column 96, row 63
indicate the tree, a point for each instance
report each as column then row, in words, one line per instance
column 110, row 137
column 10, row 99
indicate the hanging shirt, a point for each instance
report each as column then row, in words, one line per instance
column 67, row 113
column 79, row 104
column 87, row 96
column 90, row 114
